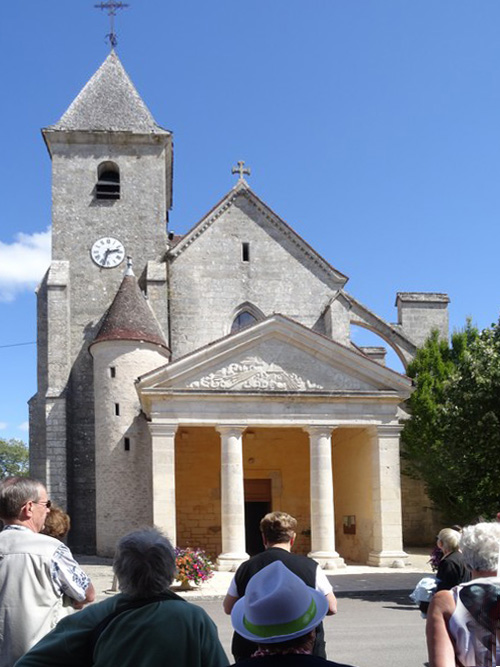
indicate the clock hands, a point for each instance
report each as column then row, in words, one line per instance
column 108, row 252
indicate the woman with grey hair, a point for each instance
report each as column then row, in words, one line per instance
column 451, row 569
column 146, row 625
column 463, row 625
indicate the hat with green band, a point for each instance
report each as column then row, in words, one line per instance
column 277, row 606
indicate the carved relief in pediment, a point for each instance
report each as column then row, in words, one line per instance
column 254, row 373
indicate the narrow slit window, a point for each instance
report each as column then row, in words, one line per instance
column 245, row 252
column 126, row 444
column 117, row 409
column 112, row 371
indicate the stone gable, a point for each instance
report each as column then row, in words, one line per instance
column 276, row 355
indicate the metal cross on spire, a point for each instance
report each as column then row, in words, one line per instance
column 241, row 170
column 112, row 8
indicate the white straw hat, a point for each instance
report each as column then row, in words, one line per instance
column 277, row 606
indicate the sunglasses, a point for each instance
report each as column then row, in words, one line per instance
column 47, row 503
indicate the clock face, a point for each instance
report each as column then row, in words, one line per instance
column 107, row 252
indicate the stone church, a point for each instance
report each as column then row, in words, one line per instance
column 196, row 382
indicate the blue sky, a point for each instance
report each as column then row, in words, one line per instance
column 371, row 127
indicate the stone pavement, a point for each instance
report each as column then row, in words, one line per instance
column 351, row 579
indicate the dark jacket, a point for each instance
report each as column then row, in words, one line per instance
column 451, row 572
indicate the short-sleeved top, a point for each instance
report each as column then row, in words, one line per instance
column 473, row 625
column 238, row 582
column 36, row 571
column 305, row 568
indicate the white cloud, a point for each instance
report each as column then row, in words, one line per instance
column 23, row 263
column 3, row 426
column 25, row 426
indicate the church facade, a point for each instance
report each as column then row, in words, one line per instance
column 211, row 377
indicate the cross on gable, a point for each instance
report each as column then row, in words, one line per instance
column 112, row 8
column 241, row 170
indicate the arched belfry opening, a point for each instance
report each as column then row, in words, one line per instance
column 108, row 181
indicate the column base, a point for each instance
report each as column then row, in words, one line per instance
column 230, row 562
column 328, row 560
column 396, row 559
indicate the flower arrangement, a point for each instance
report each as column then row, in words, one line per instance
column 435, row 558
column 193, row 565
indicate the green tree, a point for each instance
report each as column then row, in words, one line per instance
column 444, row 442
column 471, row 417
column 13, row 458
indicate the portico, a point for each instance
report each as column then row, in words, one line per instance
column 279, row 402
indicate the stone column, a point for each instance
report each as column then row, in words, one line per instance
column 232, row 499
column 322, row 508
column 387, row 547
column 163, row 478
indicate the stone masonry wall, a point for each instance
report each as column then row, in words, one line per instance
column 352, row 483
column 138, row 220
column 209, row 280
column 123, row 470
column 281, row 455
column 420, row 522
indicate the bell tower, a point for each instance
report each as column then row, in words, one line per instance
column 111, row 193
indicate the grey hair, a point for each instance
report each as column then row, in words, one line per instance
column 15, row 493
column 480, row 545
column 449, row 538
column 144, row 563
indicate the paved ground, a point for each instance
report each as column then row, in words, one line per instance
column 353, row 578
column 377, row 625
column 371, row 630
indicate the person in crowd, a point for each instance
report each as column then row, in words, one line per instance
column 279, row 613
column 463, row 624
column 36, row 570
column 144, row 625
column 278, row 535
column 451, row 569
column 57, row 523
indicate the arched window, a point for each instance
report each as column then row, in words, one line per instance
column 108, row 181
column 244, row 319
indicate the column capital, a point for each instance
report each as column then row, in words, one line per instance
column 159, row 429
column 230, row 429
column 325, row 430
column 389, row 430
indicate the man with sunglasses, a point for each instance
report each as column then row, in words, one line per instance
column 36, row 571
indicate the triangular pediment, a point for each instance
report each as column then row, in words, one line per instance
column 276, row 355
column 243, row 196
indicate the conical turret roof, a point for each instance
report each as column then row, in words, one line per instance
column 109, row 102
column 130, row 317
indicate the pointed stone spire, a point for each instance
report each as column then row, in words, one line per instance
column 109, row 102
column 130, row 317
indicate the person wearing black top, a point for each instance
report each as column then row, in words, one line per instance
column 279, row 615
column 451, row 569
column 278, row 535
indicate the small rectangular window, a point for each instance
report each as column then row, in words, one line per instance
column 112, row 371
column 126, row 444
column 117, row 409
column 245, row 252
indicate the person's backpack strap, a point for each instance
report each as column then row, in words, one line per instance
column 122, row 609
